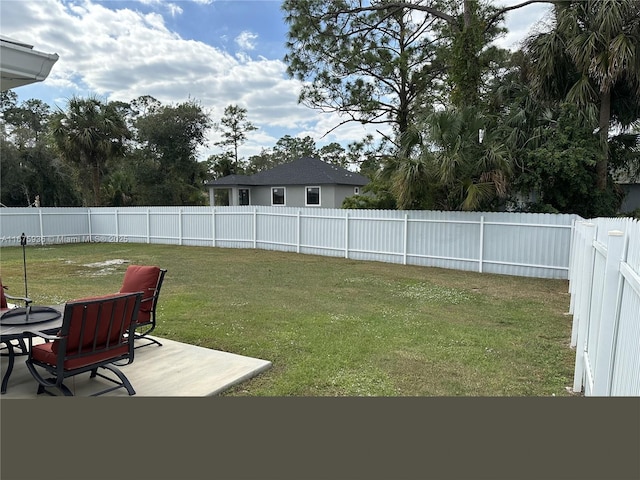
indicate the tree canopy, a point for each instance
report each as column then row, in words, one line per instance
column 546, row 128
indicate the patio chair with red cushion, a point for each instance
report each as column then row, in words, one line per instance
column 148, row 280
column 95, row 333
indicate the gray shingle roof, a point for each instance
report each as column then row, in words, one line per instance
column 304, row 171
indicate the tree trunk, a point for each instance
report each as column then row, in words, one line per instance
column 602, row 164
column 96, row 184
column 467, row 14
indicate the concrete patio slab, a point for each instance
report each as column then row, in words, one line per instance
column 173, row 370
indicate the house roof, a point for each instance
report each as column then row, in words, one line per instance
column 21, row 65
column 304, row 171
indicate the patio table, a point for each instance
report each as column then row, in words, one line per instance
column 22, row 323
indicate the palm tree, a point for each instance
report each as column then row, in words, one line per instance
column 591, row 57
column 89, row 134
column 472, row 165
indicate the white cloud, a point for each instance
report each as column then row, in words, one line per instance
column 175, row 9
column 520, row 23
column 246, row 40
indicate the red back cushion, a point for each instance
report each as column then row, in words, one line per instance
column 111, row 319
column 140, row 278
column 3, row 299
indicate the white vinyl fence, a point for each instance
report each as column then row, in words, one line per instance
column 600, row 257
column 534, row 245
column 605, row 301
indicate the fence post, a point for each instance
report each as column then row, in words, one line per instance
column 89, row 220
column 213, row 226
column 571, row 274
column 580, row 278
column 346, row 234
column 41, row 227
column 148, row 225
column 610, row 315
column 581, row 317
column 406, row 238
column 179, row 226
column 255, row 228
column 298, row 228
column 117, row 226
column 480, row 257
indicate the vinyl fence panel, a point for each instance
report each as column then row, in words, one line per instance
column 600, row 257
column 507, row 243
column 605, row 302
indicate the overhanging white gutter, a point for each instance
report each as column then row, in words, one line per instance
column 21, row 65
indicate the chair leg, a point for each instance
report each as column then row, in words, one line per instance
column 7, row 374
column 123, row 379
column 62, row 387
column 43, row 383
column 149, row 341
column 12, row 352
column 65, row 390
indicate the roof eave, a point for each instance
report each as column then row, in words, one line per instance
column 21, row 65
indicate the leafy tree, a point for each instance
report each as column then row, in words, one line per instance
column 89, row 134
column 28, row 121
column 389, row 62
column 559, row 172
column 234, row 127
column 335, row 154
column 144, row 105
column 624, row 150
column 466, row 30
column 370, row 65
column 287, row 149
column 591, row 57
column 265, row 160
column 220, row 165
column 31, row 173
column 166, row 168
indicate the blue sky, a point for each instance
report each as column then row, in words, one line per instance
column 219, row 52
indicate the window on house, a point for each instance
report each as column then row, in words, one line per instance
column 356, row 190
column 277, row 196
column 221, row 197
column 243, row 196
column 312, row 196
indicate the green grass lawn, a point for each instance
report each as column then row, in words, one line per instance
column 332, row 326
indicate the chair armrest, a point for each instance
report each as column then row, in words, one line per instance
column 46, row 336
column 26, row 300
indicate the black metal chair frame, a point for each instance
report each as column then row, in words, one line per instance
column 60, row 374
column 9, row 346
column 151, row 324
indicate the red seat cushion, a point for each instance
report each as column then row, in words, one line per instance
column 141, row 278
column 46, row 353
